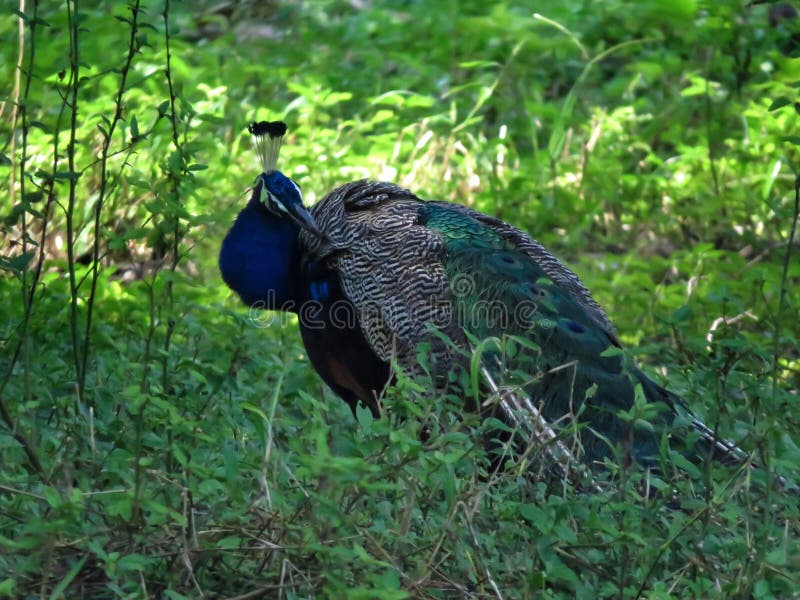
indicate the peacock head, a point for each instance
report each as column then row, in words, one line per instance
column 275, row 192
column 259, row 256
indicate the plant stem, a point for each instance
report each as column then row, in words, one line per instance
column 74, row 86
column 98, row 208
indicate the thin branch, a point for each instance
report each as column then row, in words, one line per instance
column 27, row 294
column 784, row 280
column 175, row 193
column 74, row 86
column 101, row 196
column 29, row 449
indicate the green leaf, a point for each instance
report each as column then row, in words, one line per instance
column 132, row 562
column 52, row 496
column 779, row 103
column 134, row 128
column 365, row 418
column 682, row 314
column 67, row 175
column 29, row 197
column 475, row 64
column 536, row 517
column 62, row 586
column 39, row 125
column 138, row 182
column 17, row 264
column 7, row 587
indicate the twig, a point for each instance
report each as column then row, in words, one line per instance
column 514, row 404
column 102, row 193
column 72, row 102
column 784, row 279
column 11, row 490
column 487, row 572
column 175, row 191
column 30, row 451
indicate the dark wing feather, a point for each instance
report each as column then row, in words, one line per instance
column 389, row 265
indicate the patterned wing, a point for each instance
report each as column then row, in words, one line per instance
column 391, row 263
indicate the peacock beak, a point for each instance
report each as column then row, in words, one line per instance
column 300, row 215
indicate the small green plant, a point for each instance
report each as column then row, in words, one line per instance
column 159, row 440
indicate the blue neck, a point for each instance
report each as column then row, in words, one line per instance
column 259, row 259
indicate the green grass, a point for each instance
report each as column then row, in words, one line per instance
column 158, row 440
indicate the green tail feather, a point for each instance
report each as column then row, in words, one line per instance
column 570, row 365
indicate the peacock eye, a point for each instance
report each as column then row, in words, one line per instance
column 275, row 205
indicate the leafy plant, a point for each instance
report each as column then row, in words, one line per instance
column 157, row 439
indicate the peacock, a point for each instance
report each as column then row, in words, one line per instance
column 381, row 279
